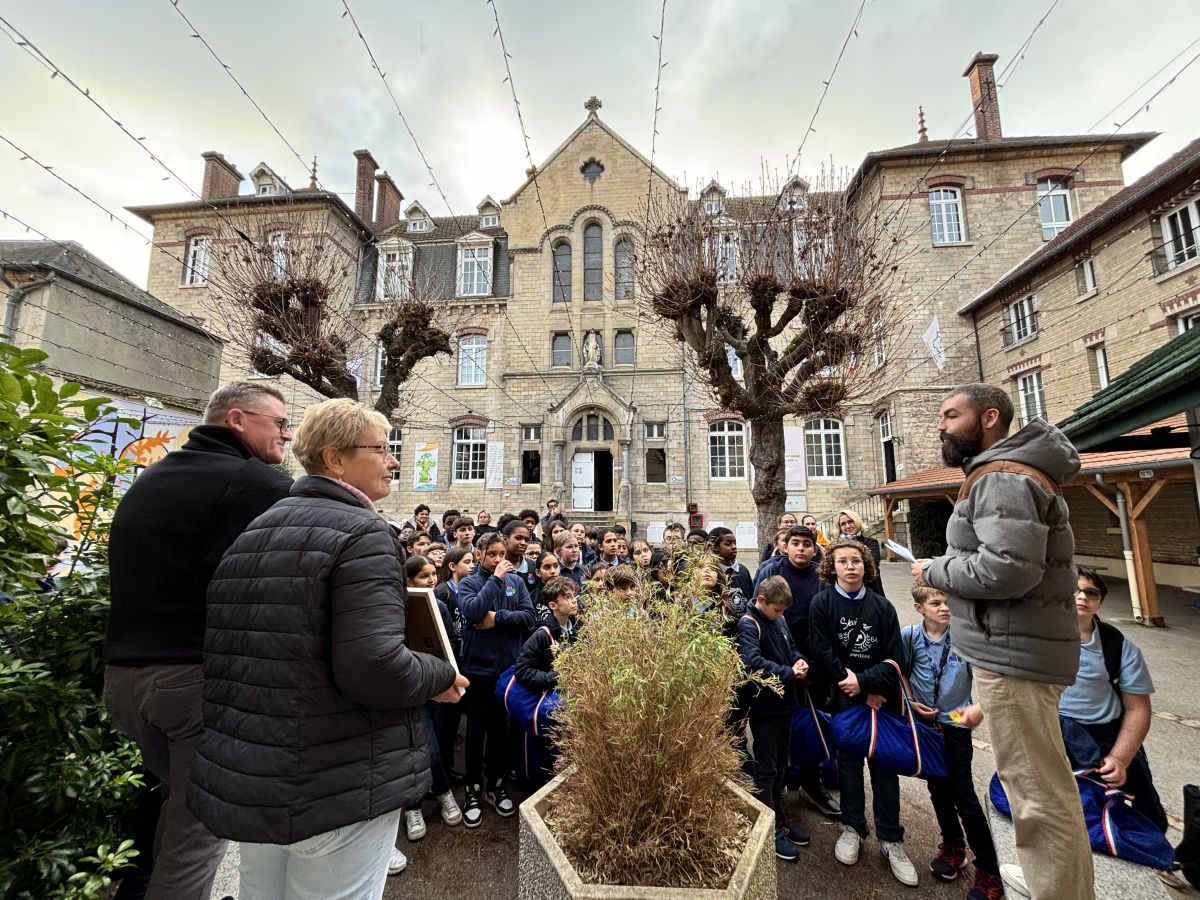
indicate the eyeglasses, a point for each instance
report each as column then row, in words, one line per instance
column 283, row 423
column 1090, row 593
column 381, row 449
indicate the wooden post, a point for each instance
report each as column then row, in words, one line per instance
column 889, row 524
column 1143, row 562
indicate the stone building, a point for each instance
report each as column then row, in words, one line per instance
column 558, row 387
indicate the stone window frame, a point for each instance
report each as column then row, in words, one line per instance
column 561, row 271
column 405, row 257
column 727, row 445
column 1030, row 386
column 1049, row 184
column 478, row 267
column 556, row 359
column 470, row 454
column 618, row 350
column 193, row 240
column 825, row 449
column 472, row 360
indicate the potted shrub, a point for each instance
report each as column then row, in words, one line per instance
column 646, row 801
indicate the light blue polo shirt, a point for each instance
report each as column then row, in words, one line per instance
column 925, row 655
column 1091, row 699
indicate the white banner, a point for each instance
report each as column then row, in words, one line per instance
column 794, row 475
column 495, row 464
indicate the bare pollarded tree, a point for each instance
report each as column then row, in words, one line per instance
column 796, row 285
column 283, row 289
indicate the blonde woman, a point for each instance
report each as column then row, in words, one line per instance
column 312, row 741
column 850, row 528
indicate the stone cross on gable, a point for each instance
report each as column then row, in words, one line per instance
column 592, row 104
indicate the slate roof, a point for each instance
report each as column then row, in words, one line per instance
column 70, row 260
column 1128, row 144
column 1176, row 171
column 942, row 479
column 445, row 228
column 1160, row 384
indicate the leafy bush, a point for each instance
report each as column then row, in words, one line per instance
column 67, row 777
column 647, row 691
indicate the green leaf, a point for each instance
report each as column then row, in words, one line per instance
column 10, row 387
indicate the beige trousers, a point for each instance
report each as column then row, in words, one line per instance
column 1052, row 840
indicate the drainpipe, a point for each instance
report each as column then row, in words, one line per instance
column 687, row 442
column 16, row 297
column 1135, row 597
column 979, row 347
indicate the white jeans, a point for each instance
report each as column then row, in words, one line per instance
column 348, row 863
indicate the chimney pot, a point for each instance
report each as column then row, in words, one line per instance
column 221, row 179
column 363, row 187
column 984, row 100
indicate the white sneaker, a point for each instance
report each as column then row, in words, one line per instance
column 451, row 814
column 902, row 867
column 846, row 849
column 398, row 862
column 414, row 824
column 1014, row 880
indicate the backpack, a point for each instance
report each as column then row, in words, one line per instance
column 1112, row 645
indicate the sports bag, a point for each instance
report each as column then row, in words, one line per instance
column 812, row 735
column 1114, row 827
column 898, row 743
column 530, row 710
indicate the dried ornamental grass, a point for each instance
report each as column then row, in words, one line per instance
column 647, row 692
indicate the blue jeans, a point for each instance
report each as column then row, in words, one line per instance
column 885, row 790
column 348, row 863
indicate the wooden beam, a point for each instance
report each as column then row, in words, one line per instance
column 1143, row 561
column 1155, row 488
column 889, row 524
column 1103, row 498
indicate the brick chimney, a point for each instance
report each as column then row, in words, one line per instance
column 387, row 201
column 363, row 188
column 983, row 96
column 221, row 179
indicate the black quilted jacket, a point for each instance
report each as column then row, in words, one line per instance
column 311, row 699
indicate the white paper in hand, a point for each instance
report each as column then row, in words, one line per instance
column 900, row 550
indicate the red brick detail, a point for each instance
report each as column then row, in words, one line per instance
column 1025, row 365
column 1095, row 337
column 364, row 174
column 470, row 330
column 198, row 231
column 387, row 201
column 469, row 419
column 1180, row 302
column 1052, row 172
column 723, row 415
column 221, row 179
column 947, row 180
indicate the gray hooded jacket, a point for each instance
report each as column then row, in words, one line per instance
column 1008, row 573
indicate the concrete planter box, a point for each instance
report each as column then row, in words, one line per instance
column 545, row 873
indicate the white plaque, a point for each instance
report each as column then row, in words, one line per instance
column 495, row 464
column 793, row 458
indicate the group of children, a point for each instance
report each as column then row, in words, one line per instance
column 809, row 618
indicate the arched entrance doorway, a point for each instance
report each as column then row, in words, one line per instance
column 592, row 463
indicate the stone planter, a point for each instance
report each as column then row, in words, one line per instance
column 545, row 873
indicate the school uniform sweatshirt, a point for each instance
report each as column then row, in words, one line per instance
column 804, row 584
column 488, row 652
column 535, row 665
column 832, row 619
column 766, row 647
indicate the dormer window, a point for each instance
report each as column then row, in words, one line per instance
column 489, row 221
column 712, row 207
column 419, row 225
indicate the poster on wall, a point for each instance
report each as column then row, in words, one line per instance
column 794, row 476
column 495, row 464
column 425, row 467
column 655, row 532
column 747, row 534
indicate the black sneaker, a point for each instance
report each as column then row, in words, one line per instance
column 472, row 809
column 784, row 848
column 794, row 833
column 819, row 798
column 498, row 797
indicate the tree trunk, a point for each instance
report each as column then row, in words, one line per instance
column 766, row 456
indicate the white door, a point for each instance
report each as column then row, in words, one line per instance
column 583, row 477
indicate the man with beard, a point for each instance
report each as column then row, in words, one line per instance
column 1008, row 577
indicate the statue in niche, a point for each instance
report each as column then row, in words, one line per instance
column 591, row 350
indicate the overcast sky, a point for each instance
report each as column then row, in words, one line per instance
column 741, row 83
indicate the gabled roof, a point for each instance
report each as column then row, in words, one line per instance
column 263, row 168
column 487, row 203
column 1178, row 170
column 713, row 187
column 941, row 480
column 445, row 229
column 1126, row 143
column 592, row 118
column 1160, row 384
column 70, row 260
column 416, row 204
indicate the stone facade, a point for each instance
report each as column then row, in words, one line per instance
column 557, row 380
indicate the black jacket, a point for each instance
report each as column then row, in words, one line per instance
column 168, row 534
column 535, row 664
column 876, row 552
column 766, row 647
column 312, row 715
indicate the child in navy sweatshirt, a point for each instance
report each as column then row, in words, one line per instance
column 496, row 613
column 853, row 632
column 766, row 648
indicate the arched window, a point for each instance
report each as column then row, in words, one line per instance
column 593, row 262
column 562, row 272
column 592, row 427
column 945, row 212
column 623, row 259
column 727, row 449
